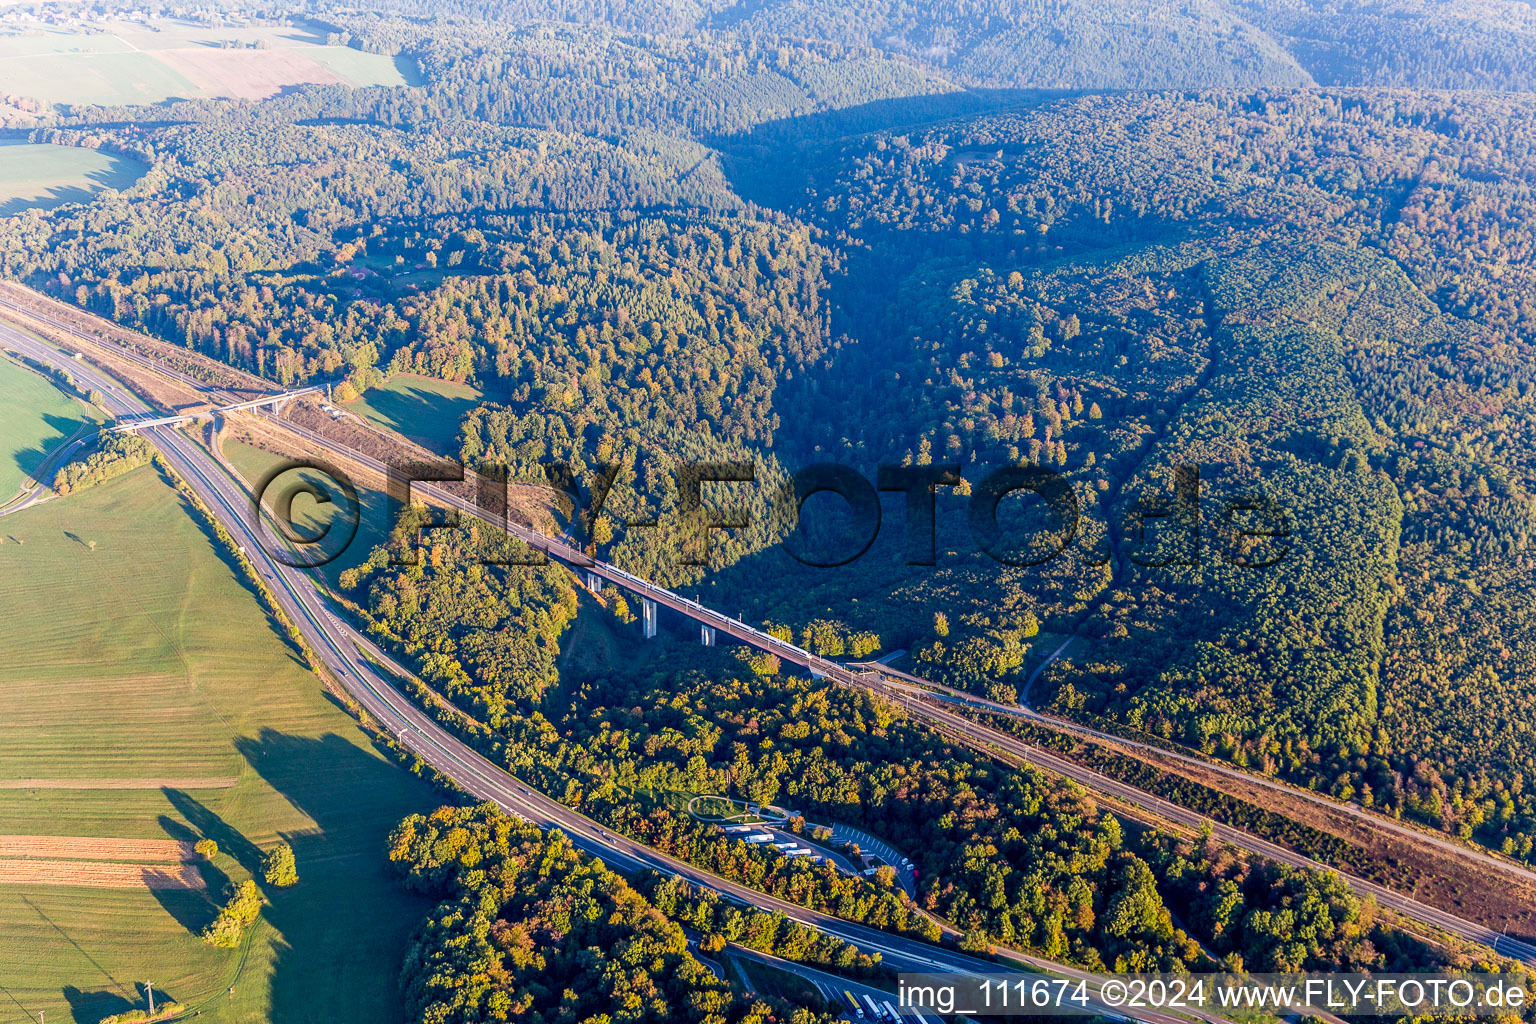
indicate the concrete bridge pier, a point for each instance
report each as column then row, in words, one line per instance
column 594, row 582
column 707, row 635
column 648, row 617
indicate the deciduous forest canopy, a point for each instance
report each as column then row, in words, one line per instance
column 1292, row 244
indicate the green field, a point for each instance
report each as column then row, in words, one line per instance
column 159, row 34
column 254, row 464
column 34, row 419
column 38, row 39
column 425, row 410
column 133, row 651
column 112, row 77
column 45, row 176
column 38, row 43
column 360, row 68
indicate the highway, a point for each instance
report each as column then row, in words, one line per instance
column 880, row 681
column 301, row 601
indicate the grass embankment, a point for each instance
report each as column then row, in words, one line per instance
column 314, row 518
column 773, row 981
column 35, row 418
column 425, row 410
column 135, row 656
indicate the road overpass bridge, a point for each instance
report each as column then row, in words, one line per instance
column 277, row 401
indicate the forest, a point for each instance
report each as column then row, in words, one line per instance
column 1256, row 280
column 1013, row 275
column 1290, row 316
column 530, row 929
column 1006, row 855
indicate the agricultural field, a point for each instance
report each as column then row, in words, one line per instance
column 93, row 77
column 359, row 69
column 44, row 176
column 144, row 696
column 148, row 63
column 35, row 418
column 425, row 410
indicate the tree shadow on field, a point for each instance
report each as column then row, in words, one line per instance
column 90, row 1007
column 177, row 830
column 47, row 199
column 209, row 825
column 193, row 909
column 431, row 420
column 345, row 925
column 29, row 460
